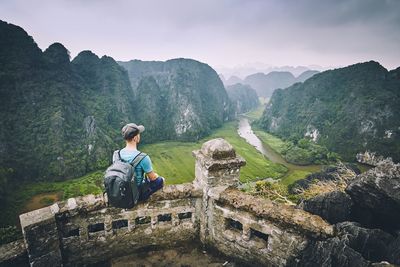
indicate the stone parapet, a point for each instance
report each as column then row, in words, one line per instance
column 284, row 216
column 13, row 254
column 84, row 230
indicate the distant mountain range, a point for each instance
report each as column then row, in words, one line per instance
column 248, row 69
column 265, row 84
column 349, row 110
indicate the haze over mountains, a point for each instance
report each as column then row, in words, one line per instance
column 265, row 84
column 251, row 68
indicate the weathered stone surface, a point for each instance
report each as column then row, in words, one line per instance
column 41, row 236
column 377, row 191
column 334, row 206
column 336, row 174
column 371, row 243
column 211, row 164
column 176, row 192
column 218, row 149
column 250, row 238
column 330, row 253
column 370, row 158
column 14, row 254
column 280, row 214
column 393, row 252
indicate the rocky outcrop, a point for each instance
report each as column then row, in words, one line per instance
column 353, row 245
column 393, row 253
column 377, row 195
column 373, row 244
column 367, row 216
column 370, row 158
column 335, row 174
column 330, row 253
column 333, row 206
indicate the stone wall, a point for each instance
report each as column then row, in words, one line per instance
column 211, row 210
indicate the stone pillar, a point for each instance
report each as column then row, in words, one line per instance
column 217, row 167
column 41, row 236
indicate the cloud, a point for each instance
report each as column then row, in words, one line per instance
column 224, row 32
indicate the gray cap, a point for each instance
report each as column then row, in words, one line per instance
column 131, row 129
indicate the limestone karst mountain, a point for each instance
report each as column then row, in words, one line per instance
column 349, row 110
column 243, row 97
column 265, row 84
column 179, row 99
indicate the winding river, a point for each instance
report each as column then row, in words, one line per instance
column 245, row 131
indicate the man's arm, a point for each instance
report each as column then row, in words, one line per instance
column 152, row 175
column 148, row 168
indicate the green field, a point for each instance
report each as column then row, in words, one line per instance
column 255, row 114
column 274, row 142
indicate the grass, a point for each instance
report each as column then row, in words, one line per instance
column 274, row 142
column 256, row 113
column 16, row 203
column 294, row 175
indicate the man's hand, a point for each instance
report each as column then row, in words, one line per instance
column 152, row 175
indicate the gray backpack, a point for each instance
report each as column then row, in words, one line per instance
column 119, row 181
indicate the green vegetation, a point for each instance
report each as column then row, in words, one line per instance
column 164, row 91
column 349, row 110
column 294, row 175
column 256, row 113
column 9, row 234
column 274, row 142
column 306, row 152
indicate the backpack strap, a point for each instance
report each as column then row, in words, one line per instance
column 138, row 159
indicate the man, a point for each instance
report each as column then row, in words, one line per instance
column 147, row 186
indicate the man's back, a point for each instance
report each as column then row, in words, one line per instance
column 143, row 167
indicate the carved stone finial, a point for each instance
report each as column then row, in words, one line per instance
column 218, row 149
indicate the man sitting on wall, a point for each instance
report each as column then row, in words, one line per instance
column 146, row 179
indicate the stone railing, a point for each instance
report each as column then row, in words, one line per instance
column 84, row 230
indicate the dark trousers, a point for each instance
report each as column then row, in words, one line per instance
column 150, row 187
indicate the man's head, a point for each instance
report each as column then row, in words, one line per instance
column 131, row 132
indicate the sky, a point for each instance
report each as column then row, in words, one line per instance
column 222, row 33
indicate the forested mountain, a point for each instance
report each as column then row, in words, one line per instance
column 265, row 84
column 62, row 118
column 306, row 75
column 179, row 99
column 58, row 118
column 349, row 110
column 243, row 97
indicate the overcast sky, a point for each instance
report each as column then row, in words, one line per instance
column 218, row 32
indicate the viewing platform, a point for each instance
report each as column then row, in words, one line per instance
column 210, row 211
